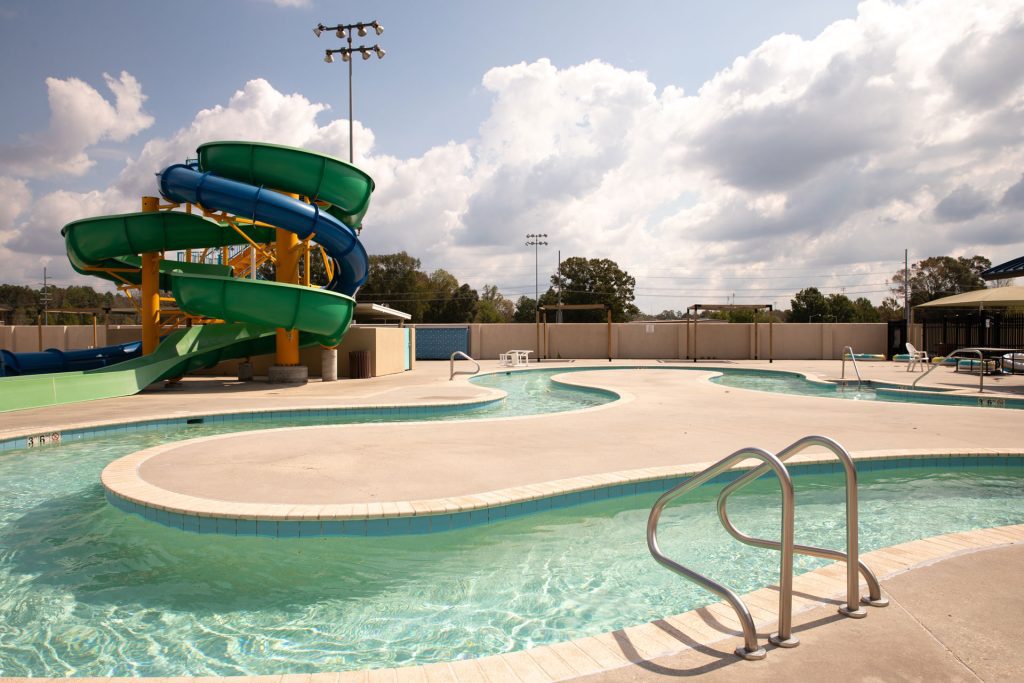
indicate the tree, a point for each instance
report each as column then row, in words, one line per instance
column 526, row 310
column 449, row 302
column 890, row 309
column 840, row 309
column 939, row 276
column 493, row 307
column 596, row 281
column 736, row 315
column 669, row 314
column 396, row 280
column 807, row 304
column 864, row 311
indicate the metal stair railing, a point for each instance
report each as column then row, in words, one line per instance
column 784, row 637
column 981, row 367
column 853, row 358
column 854, row 567
column 451, row 365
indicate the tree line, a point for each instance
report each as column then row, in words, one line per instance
column 26, row 303
column 397, row 280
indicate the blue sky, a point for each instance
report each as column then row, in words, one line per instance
column 707, row 147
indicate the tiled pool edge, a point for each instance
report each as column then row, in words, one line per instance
column 43, row 437
column 127, row 491
column 605, row 652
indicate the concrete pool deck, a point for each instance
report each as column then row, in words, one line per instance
column 666, row 419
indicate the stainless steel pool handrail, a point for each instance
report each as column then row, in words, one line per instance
column 451, row 365
column 853, row 358
column 981, row 368
column 854, row 567
column 784, row 637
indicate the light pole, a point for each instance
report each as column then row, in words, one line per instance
column 536, row 241
column 345, row 31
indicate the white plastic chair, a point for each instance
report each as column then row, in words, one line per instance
column 915, row 357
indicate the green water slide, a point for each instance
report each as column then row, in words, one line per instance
column 232, row 177
column 180, row 352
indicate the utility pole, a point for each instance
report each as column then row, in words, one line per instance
column 906, row 290
column 45, row 298
column 558, row 316
column 536, row 241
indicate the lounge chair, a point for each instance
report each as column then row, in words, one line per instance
column 916, row 357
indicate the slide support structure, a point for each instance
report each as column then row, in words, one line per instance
column 150, row 290
column 286, row 368
column 287, row 352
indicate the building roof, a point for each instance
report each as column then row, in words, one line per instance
column 378, row 312
column 1014, row 268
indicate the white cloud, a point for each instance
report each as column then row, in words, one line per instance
column 80, row 117
column 822, row 157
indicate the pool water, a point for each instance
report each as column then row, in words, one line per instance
column 86, row 590
column 793, row 384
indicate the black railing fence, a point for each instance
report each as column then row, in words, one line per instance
column 946, row 332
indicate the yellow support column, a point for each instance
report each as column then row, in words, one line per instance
column 287, row 271
column 286, row 368
column 150, row 291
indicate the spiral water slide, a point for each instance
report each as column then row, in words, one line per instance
column 230, row 177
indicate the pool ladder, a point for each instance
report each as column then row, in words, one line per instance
column 853, row 357
column 774, row 463
column 451, row 365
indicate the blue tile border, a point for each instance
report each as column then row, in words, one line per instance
column 427, row 524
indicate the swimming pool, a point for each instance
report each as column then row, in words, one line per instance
column 87, row 590
column 794, row 384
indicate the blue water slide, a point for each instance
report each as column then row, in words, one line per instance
column 180, row 183
column 55, row 360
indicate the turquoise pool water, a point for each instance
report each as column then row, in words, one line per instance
column 87, row 590
column 793, row 384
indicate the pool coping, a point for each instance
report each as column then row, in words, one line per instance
column 612, row 651
column 17, row 439
column 128, row 491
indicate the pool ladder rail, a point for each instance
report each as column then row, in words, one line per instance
column 848, row 350
column 954, row 355
column 451, row 365
column 775, row 463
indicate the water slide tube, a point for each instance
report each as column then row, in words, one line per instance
column 231, row 177
column 55, row 360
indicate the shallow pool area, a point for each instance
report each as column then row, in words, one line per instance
column 793, row 384
column 88, row 590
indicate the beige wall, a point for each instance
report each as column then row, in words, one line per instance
column 731, row 341
column 791, row 341
column 25, row 338
column 385, row 344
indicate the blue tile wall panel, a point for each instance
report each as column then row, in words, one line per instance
column 439, row 343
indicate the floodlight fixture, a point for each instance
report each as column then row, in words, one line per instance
column 346, row 32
